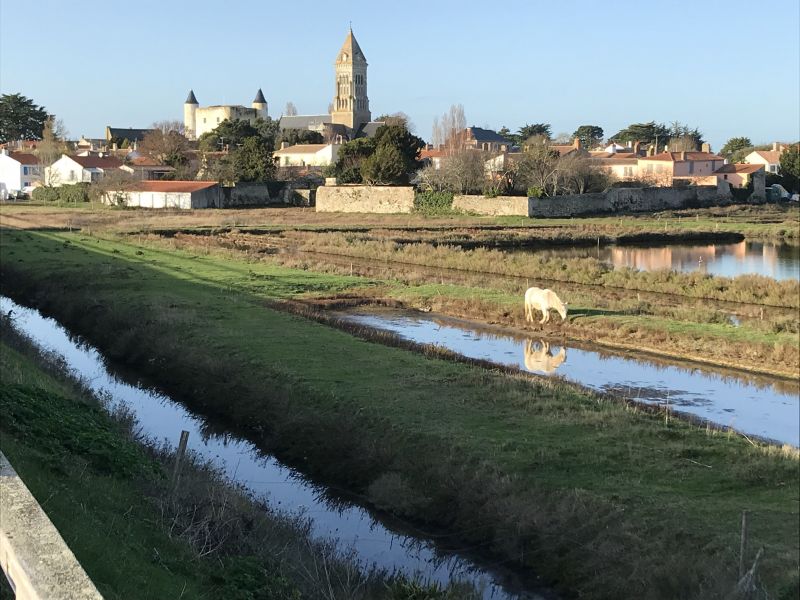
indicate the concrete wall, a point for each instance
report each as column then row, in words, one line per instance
column 615, row 200
column 501, row 205
column 365, row 198
column 34, row 557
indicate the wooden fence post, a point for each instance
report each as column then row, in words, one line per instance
column 743, row 544
column 176, row 472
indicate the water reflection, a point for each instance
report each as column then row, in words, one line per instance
column 779, row 261
column 761, row 406
column 539, row 357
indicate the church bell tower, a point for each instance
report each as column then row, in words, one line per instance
column 351, row 104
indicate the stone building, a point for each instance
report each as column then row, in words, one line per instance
column 197, row 120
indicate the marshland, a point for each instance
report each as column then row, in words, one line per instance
column 245, row 318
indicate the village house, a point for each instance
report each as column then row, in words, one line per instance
column 19, row 172
column 306, row 155
column 692, row 167
column 476, row 138
column 145, row 168
column 79, row 169
column 167, row 194
column 737, row 175
column 770, row 159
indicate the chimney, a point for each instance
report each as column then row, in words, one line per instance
column 706, row 147
column 775, row 146
column 683, row 154
column 651, row 150
column 576, row 143
column 636, row 146
column 284, row 145
column 630, row 143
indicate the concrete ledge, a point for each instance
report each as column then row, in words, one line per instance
column 33, row 555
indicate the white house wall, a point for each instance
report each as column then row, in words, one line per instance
column 10, row 175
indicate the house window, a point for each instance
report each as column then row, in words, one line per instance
column 773, row 168
column 627, row 171
column 691, row 167
column 204, row 119
column 726, row 177
column 24, row 170
column 72, row 175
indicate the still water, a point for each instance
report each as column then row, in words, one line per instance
column 779, row 261
column 352, row 526
column 760, row 406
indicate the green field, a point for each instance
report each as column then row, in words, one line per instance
column 602, row 499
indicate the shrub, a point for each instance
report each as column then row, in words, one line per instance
column 433, row 203
column 45, row 194
column 73, row 194
column 535, row 192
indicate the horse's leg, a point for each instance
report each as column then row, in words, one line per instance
column 544, row 317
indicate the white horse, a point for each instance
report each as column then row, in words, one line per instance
column 538, row 357
column 544, row 301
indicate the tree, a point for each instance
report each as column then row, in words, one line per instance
column 735, row 146
column 790, row 167
column 166, row 144
column 253, row 160
column 528, row 131
column 464, row 171
column 228, row 134
column 505, row 133
column 50, row 149
column 385, row 166
column 538, row 166
column 649, row 133
column 290, row 110
column 589, row 135
column 397, row 118
column 683, row 137
column 298, row 136
column 449, row 132
column 347, row 168
column 20, row 118
column 407, row 144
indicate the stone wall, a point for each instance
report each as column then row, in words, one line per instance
column 365, row 198
column 613, row 201
column 267, row 194
column 497, row 206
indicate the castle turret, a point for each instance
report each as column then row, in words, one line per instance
column 351, row 104
column 189, row 115
column 260, row 104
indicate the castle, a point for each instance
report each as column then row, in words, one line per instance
column 349, row 117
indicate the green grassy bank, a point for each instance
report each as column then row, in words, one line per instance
column 605, row 500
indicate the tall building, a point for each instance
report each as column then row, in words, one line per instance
column 351, row 104
column 197, row 120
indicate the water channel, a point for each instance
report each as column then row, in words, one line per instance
column 760, row 406
column 779, row 261
column 352, row 526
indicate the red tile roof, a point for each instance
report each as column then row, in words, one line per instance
column 773, row 157
column 171, row 186
column 24, row 158
column 97, row 162
column 739, row 168
column 676, row 156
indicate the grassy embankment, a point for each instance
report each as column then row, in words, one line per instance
column 670, row 325
column 604, row 499
column 109, row 494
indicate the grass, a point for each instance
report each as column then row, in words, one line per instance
column 602, row 498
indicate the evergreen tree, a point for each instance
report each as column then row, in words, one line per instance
column 20, row 118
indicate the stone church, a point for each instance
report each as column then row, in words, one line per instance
column 349, row 118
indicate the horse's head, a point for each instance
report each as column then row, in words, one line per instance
column 562, row 310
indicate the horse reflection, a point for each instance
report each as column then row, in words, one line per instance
column 539, row 357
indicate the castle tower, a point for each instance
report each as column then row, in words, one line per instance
column 189, row 115
column 260, row 104
column 351, row 104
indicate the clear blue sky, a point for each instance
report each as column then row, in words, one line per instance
column 728, row 67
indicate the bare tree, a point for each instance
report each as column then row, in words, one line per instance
column 538, row 166
column 449, row 130
column 50, row 149
column 113, row 188
column 166, row 144
column 563, row 138
column 290, row 110
column 464, row 171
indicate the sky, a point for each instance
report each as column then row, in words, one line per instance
column 729, row 67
